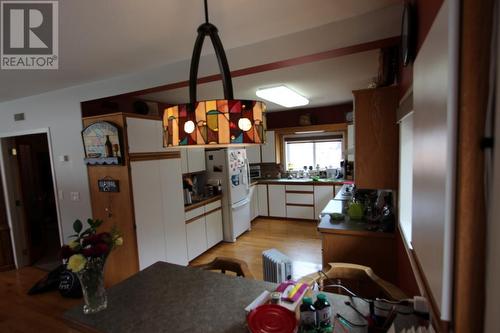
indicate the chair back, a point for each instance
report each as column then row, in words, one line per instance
column 223, row 264
column 359, row 279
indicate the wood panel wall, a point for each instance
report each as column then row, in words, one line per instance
column 470, row 237
column 115, row 209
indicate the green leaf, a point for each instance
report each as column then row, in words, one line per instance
column 77, row 226
column 97, row 223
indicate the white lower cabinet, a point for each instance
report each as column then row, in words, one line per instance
column 262, row 200
column 277, row 200
column 300, row 212
column 254, row 202
column 203, row 228
column 196, row 237
column 213, row 223
column 159, row 212
column 322, row 195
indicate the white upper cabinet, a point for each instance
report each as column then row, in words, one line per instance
column 253, row 154
column 192, row 160
column 144, row 135
column 196, row 159
column 269, row 149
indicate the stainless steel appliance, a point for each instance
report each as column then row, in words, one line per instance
column 255, row 172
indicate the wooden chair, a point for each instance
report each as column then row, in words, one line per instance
column 359, row 279
column 224, row 264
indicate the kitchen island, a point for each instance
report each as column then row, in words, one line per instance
column 170, row 298
column 356, row 241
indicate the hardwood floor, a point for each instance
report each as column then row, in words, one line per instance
column 21, row 313
column 299, row 240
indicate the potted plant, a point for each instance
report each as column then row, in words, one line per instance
column 86, row 255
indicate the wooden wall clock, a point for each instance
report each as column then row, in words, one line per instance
column 103, row 144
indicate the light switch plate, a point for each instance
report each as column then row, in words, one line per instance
column 75, row 196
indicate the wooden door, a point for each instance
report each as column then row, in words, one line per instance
column 38, row 201
column 6, row 256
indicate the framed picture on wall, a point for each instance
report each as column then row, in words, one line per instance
column 102, row 142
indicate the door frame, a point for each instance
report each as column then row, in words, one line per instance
column 18, row 257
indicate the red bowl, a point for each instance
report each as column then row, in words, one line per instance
column 271, row 318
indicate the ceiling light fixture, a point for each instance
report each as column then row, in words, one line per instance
column 282, row 95
column 222, row 122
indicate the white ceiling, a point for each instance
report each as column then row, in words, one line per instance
column 101, row 39
column 324, row 82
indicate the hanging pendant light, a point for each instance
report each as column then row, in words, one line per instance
column 220, row 122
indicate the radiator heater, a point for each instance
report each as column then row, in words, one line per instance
column 277, row 267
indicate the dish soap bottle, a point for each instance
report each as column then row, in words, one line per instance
column 323, row 314
column 307, row 316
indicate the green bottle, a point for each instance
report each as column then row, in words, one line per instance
column 307, row 316
column 323, row 313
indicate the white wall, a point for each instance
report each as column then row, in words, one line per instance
column 60, row 110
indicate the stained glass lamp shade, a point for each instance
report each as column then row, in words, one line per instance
column 219, row 122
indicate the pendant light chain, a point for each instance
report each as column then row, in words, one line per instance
column 206, row 11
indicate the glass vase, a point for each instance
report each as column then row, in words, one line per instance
column 92, row 282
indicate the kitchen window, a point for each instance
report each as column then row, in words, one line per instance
column 325, row 151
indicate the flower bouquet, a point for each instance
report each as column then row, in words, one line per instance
column 86, row 255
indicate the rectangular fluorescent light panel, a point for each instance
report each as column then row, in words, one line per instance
column 283, row 96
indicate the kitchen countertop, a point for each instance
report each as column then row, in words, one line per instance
column 203, row 202
column 170, row 298
column 302, row 181
column 347, row 226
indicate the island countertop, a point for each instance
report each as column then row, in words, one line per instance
column 303, row 181
column 347, row 226
column 170, row 298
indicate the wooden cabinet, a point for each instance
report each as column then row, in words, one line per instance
column 203, row 228
column 144, row 135
column 376, row 138
column 193, row 160
column 253, row 154
column 269, row 148
column 262, row 198
column 196, row 236
column 322, row 195
column 277, row 200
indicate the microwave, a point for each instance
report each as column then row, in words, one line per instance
column 255, row 171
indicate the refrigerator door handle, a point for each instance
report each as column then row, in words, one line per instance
column 241, row 203
column 247, row 165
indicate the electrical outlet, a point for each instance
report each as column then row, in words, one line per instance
column 75, row 196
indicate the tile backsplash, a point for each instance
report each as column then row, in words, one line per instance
column 271, row 170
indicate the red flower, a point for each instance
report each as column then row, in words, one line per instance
column 104, row 237
column 102, row 249
column 66, row 252
column 91, row 239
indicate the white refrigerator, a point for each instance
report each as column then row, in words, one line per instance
column 230, row 167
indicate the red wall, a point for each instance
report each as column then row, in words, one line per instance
column 331, row 114
column 426, row 11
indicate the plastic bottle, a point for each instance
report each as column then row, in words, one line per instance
column 307, row 316
column 323, row 313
